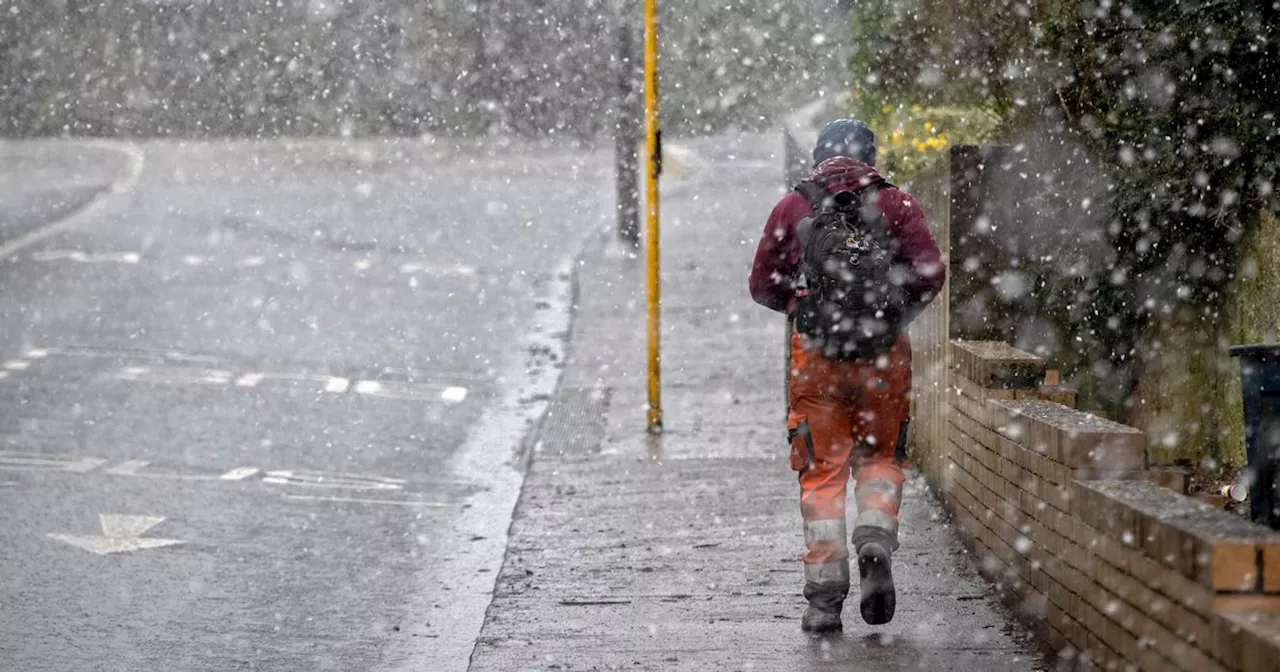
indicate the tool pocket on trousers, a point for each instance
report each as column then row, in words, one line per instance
column 803, row 455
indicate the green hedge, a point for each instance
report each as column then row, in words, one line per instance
column 1174, row 101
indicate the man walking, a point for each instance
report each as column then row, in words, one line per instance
column 850, row 259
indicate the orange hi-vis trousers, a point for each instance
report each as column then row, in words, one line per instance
column 846, row 418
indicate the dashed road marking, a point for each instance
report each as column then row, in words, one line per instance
column 239, row 473
column 453, row 395
column 173, row 367
column 21, row 461
column 368, row 387
column 337, row 385
column 127, row 468
column 178, row 375
column 93, row 351
column 358, row 500
column 88, row 257
column 249, row 379
column 85, row 464
column 428, row 268
column 320, row 479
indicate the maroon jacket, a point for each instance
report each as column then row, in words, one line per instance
column 778, row 254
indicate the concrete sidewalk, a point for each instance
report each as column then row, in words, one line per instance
column 683, row 552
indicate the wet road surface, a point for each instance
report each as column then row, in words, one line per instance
column 261, row 404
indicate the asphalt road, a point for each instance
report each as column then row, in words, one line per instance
column 261, row 404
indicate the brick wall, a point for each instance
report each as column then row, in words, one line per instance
column 1114, row 569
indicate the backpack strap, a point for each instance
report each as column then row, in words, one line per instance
column 813, row 192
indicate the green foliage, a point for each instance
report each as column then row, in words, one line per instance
column 1173, row 101
column 1178, row 99
column 941, row 53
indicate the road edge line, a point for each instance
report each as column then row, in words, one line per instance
column 497, row 456
column 135, row 161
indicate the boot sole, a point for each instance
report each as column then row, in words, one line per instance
column 879, row 598
column 822, row 630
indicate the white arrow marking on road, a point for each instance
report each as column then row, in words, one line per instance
column 120, row 534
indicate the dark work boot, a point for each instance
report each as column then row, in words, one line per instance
column 877, row 594
column 820, row 620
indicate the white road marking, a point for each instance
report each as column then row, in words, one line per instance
column 457, row 270
column 368, row 387
column 337, row 385
column 126, row 183
column 364, row 264
column 193, row 260
column 400, row 389
column 176, row 477
column 171, row 367
column 239, row 473
column 88, row 257
column 127, row 468
column 251, row 262
column 453, row 395
column 175, row 375
column 355, row 500
column 19, row 461
column 85, row 465
column 120, row 534
column 320, row 479
column 249, row 379
column 121, row 353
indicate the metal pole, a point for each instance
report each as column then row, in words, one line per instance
column 627, row 134
column 653, row 151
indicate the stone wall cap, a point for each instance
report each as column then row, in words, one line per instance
column 997, row 350
column 1066, row 419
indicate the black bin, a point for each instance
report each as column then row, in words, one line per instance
column 1260, row 380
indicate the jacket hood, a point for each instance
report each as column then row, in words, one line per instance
column 842, row 173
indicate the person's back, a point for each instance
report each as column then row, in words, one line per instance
column 848, row 407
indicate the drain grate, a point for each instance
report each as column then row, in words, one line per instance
column 574, row 424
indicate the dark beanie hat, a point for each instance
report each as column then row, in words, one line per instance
column 846, row 137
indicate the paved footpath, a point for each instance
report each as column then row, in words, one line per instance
column 683, row 552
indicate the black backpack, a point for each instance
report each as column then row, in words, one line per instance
column 852, row 303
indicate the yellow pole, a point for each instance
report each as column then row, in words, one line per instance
column 653, row 169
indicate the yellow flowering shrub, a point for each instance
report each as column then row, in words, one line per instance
column 910, row 137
